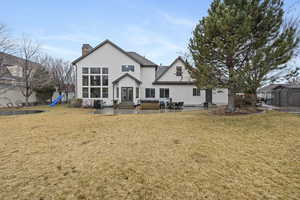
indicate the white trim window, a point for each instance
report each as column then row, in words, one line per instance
column 95, row 82
column 178, row 71
column 164, row 92
column 127, row 68
column 150, row 92
column 85, row 92
column 196, row 92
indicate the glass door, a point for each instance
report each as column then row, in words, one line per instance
column 127, row 94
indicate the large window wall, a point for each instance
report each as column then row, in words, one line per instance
column 95, row 82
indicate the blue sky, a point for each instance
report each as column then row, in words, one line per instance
column 156, row 29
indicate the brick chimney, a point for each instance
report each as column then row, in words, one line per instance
column 86, row 48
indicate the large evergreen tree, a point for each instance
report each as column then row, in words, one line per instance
column 237, row 39
column 42, row 84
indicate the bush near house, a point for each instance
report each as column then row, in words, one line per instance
column 75, row 103
column 43, row 94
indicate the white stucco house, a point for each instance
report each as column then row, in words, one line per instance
column 109, row 73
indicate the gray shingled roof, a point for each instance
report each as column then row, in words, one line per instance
column 163, row 69
column 141, row 59
column 291, row 85
column 269, row 88
column 8, row 59
column 160, row 71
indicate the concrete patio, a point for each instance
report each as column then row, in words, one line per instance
column 112, row 111
column 295, row 110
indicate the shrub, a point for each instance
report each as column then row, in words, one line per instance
column 238, row 100
column 44, row 93
column 76, row 103
column 245, row 100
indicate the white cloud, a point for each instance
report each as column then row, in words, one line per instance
column 177, row 20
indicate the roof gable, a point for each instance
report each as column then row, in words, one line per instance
column 125, row 75
column 163, row 70
column 132, row 55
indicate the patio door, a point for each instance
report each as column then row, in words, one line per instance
column 127, row 94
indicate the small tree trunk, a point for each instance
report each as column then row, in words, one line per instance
column 27, row 101
column 253, row 99
column 231, row 103
column 67, row 96
column 59, row 94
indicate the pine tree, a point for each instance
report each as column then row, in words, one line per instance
column 235, row 40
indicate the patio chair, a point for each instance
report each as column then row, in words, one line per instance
column 162, row 105
column 98, row 104
column 170, row 105
column 180, row 105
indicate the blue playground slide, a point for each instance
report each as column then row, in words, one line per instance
column 56, row 100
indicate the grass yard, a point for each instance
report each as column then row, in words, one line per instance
column 71, row 154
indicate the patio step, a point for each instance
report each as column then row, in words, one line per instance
column 126, row 106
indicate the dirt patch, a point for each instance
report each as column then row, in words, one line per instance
column 239, row 111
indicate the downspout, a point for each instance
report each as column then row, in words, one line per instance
column 76, row 87
column 113, row 94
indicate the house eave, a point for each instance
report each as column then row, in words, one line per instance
column 173, row 83
column 148, row 65
column 125, row 75
column 102, row 44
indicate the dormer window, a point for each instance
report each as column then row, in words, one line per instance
column 178, row 71
column 127, row 68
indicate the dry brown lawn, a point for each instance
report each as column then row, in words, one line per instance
column 72, row 154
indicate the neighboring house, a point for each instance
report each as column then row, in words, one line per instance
column 109, row 73
column 11, row 73
column 266, row 92
column 281, row 94
column 286, row 95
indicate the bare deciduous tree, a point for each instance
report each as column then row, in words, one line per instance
column 7, row 45
column 63, row 76
column 29, row 51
